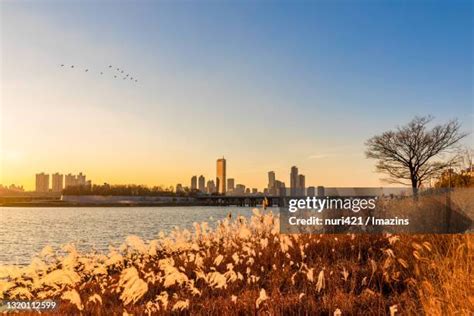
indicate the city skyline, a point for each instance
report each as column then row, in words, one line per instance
column 59, row 181
column 270, row 85
column 297, row 186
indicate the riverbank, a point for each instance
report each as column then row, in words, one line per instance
column 98, row 201
column 124, row 204
column 131, row 201
column 244, row 266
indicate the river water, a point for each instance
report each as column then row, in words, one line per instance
column 25, row 231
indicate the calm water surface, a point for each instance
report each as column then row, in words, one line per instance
column 25, row 231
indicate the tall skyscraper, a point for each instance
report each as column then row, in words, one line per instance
column 271, row 183
column 57, row 179
column 294, row 181
column 202, row 183
column 301, row 185
column 193, row 183
column 221, row 176
column 230, row 185
column 311, row 191
column 42, row 182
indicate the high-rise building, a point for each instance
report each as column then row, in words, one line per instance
column 254, row 191
column 211, row 187
column 301, row 185
column 57, row 182
column 230, row 185
column 179, row 188
column 42, row 182
column 240, row 189
column 271, row 183
column 321, row 191
column 280, row 188
column 193, row 183
column 81, row 179
column 221, row 176
column 202, row 184
column 311, row 191
column 70, row 180
column 294, row 181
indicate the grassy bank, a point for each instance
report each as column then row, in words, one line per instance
column 247, row 267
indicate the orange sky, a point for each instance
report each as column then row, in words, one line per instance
column 263, row 96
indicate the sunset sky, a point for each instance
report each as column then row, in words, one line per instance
column 266, row 84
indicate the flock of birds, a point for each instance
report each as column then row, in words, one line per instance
column 117, row 72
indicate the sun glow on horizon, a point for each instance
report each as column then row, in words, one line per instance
column 209, row 84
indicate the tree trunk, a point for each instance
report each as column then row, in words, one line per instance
column 414, row 186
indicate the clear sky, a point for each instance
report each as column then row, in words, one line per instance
column 267, row 84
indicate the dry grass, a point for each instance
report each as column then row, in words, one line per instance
column 431, row 213
column 247, row 267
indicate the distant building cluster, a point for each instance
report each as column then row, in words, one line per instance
column 228, row 186
column 12, row 188
column 275, row 187
column 221, row 185
column 297, row 185
column 59, row 182
column 198, row 185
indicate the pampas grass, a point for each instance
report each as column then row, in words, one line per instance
column 245, row 267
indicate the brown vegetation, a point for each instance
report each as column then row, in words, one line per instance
column 247, row 267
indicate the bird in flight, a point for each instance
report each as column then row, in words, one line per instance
column 120, row 72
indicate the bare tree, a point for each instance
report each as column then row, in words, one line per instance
column 467, row 159
column 413, row 153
